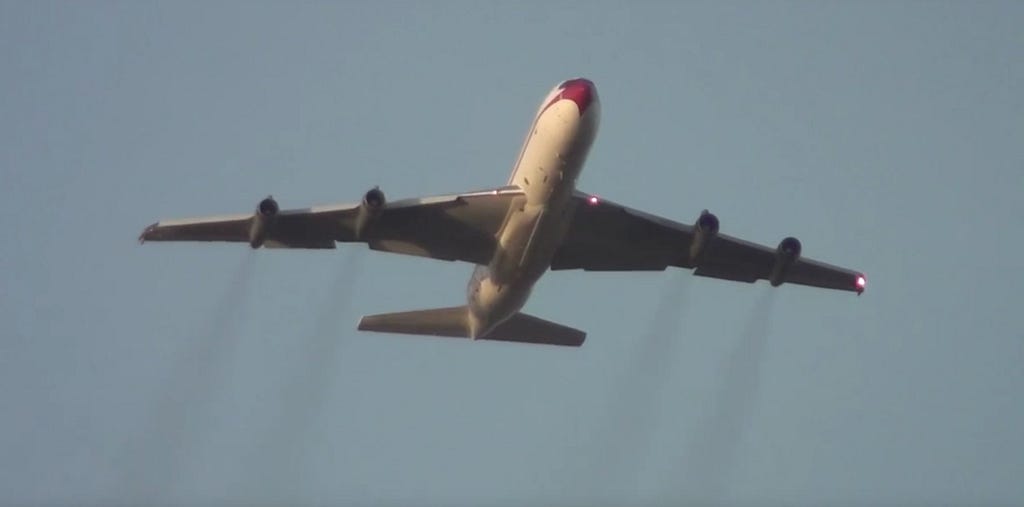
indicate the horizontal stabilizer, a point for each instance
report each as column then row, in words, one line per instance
column 525, row 328
column 454, row 322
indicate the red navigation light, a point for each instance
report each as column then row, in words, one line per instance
column 593, row 200
column 861, row 283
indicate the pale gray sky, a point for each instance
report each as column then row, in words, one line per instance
column 887, row 136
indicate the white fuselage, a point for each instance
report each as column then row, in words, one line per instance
column 551, row 159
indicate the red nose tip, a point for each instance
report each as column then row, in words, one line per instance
column 581, row 91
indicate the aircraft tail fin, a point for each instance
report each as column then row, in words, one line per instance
column 454, row 322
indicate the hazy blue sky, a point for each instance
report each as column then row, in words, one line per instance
column 887, row 136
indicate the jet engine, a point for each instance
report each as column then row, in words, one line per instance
column 704, row 230
column 373, row 202
column 785, row 255
column 374, row 199
column 266, row 210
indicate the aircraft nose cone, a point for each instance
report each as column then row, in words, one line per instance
column 581, row 91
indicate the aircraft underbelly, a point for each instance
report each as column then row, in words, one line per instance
column 525, row 248
column 548, row 165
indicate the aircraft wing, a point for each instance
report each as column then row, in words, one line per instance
column 450, row 227
column 605, row 236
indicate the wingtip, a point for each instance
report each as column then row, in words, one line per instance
column 578, row 340
column 145, row 232
column 359, row 325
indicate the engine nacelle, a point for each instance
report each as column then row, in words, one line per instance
column 785, row 255
column 374, row 199
column 373, row 202
column 704, row 230
column 266, row 211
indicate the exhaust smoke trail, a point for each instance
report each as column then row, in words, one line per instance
column 161, row 455
column 633, row 408
column 281, row 468
column 714, row 448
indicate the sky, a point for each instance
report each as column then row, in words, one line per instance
column 885, row 135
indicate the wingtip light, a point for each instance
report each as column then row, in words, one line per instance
column 862, row 283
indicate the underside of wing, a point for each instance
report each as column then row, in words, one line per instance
column 267, row 226
column 458, row 227
column 451, row 227
column 735, row 259
column 215, row 228
column 605, row 236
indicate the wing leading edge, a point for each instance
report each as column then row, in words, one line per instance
column 605, row 236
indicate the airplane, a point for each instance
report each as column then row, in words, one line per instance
column 513, row 234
